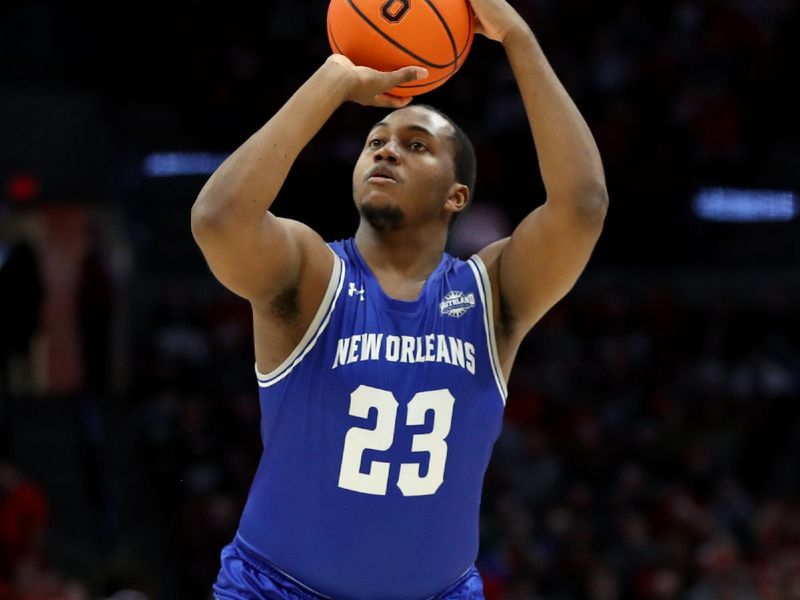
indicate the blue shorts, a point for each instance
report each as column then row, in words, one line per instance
column 246, row 577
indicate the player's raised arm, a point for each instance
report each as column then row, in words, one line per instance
column 252, row 252
column 543, row 258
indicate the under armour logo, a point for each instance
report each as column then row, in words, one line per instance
column 352, row 291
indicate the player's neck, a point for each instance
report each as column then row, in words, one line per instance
column 412, row 254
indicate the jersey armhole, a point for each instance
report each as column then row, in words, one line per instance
column 485, row 291
column 315, row 329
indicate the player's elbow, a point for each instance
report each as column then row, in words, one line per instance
column 593, row 202
column 206, row 221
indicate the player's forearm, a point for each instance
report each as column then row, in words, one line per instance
column 243, row 188
column 568, row 156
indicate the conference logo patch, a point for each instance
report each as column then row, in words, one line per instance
column 456, row 304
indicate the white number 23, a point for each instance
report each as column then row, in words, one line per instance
column 375, row 481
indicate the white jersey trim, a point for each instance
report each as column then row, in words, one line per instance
column 315, row 329
column 485, row 291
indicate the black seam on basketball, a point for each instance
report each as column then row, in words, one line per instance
column 420, row 85
column 449, row 34
column 464, row 49
column 399, row 46
column 460, row 54
column 470, row 30
column 467, row 44
column 333, row 39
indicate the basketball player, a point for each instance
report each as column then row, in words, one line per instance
column 382, row 361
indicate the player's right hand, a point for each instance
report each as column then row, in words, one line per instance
column 368, row 87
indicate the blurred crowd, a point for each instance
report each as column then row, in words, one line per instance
column 651, row 447
column 651, row 450
column 678, row 93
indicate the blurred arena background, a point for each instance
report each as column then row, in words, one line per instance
column 652, row 439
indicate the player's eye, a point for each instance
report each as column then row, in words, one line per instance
column 374, row 143
column 418, row 146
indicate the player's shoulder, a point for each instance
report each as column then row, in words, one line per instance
column 302, row 233
column 490, row 254
column 316, row 252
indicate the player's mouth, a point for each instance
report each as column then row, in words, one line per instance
column 381, row 174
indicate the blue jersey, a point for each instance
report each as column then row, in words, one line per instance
column 377, row 433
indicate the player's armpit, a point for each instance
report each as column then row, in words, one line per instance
column 541, row 261
column 258, row 263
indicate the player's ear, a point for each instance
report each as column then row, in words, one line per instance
column 458, row 198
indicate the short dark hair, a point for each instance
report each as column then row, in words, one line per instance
column 466, row 164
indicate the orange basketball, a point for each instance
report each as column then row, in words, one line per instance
column 389, row 34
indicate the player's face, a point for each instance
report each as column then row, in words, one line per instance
column 406, row 166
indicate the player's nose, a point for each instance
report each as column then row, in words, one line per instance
column 387, row 151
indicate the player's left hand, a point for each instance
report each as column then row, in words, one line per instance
column 496, row 18
column 369, row 87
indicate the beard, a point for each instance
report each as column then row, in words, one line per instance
column 382, row 218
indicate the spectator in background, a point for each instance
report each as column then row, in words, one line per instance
column 24, row 514
column 23, row 517
column 95, row 313
column 20, row 303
